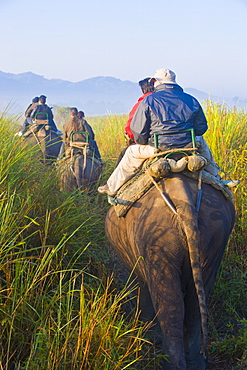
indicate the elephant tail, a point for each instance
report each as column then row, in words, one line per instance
column 197, row 276
column 188, row 218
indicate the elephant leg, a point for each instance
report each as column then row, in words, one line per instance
column 148, row 314
column 192, row 330
column 167, row 297
column 79, row 170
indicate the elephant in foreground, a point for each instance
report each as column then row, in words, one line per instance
column 177, row 256
column 46, row 140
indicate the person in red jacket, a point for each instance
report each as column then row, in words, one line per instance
column 147, row 87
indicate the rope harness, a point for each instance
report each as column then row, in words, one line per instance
column 76, row 149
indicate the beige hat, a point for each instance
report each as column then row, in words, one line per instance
column 165, row 76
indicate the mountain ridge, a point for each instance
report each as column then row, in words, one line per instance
column 95, row 96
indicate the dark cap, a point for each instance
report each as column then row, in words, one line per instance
column 36, row 99
column 42, row 96
column 81, row 114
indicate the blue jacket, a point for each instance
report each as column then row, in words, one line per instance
column 168, row 109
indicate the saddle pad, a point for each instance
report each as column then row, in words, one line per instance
column 130, row 192
column 138, row 185
column 41, row 121
column 207, row 178
column 36, row 129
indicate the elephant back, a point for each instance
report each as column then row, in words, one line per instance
column 45, row 139
column 79, row 168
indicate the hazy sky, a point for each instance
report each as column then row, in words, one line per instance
column 203, row 41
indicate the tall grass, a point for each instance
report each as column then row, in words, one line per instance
column 59, row 307
column 227, row 138
column 58, row 310
column 109, row 134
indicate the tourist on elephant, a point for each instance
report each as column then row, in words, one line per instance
column 77, row 125
column 169, row 108
column 30, row 108
column 147, row 87
column 73, row 125
column 28, row 111
column 42, row 107
column 88, row 128
column 92, row 143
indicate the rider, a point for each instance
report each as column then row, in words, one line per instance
column 73, row 125
column 30, row 108
column 44, row 108
column 92, row 143
column 169, row 108
column 147, row 87
column 28, row 111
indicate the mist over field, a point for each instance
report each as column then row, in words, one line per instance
column 97, row 95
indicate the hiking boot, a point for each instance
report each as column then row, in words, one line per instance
column 104, row 189
column 230, row 183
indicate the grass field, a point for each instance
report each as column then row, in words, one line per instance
column 60, row 307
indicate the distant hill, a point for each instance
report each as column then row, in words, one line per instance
column 97, row 95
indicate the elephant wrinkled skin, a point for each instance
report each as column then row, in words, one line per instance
column 168, row 245
column 48, row 142
column 78, row 172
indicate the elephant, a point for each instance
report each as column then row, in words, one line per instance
column 176, row 252
column 49, row 141
column 78, row 170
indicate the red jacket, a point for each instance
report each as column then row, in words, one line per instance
column 131, row 115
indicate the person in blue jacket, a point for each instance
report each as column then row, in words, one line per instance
column 167, row 109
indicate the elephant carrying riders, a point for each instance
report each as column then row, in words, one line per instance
column 42, row 107
column 168, row 108
column 73, row 126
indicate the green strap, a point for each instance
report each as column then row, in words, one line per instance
column 79, row 132
column 35, row 117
